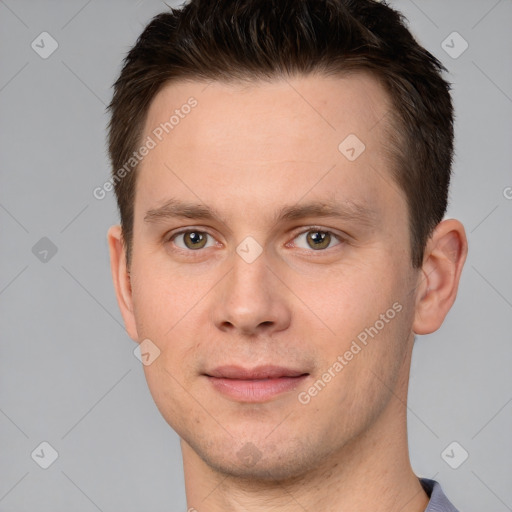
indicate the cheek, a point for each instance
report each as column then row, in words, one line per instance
column 161, row 299
column 169, row 393
column 369, row 313
column 367, row 373
column 348, row 299
column 165, row 311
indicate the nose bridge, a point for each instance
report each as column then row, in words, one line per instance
column 249, row 278
column 251, row 298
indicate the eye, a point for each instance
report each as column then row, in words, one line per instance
column 191, row 239
column 316, row 239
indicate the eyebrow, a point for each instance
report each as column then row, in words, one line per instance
column 346, row 210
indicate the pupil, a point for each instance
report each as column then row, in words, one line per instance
column 195, row 237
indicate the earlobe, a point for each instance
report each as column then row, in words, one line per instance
column 444, row 259
column 121, row 279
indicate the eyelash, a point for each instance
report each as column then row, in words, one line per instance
column 310, row 229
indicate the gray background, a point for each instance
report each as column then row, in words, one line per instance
column 68, row 375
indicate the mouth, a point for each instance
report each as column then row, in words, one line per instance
column 258, row 384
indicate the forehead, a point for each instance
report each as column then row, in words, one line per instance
column 283, row 135
column 305, row 108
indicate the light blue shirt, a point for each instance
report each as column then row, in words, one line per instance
column 438, row 501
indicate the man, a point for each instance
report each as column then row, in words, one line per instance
column 282, row 171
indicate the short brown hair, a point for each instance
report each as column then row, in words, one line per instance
column 248, row 40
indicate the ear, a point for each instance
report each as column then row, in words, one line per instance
column 444, row 258
column 121, row 279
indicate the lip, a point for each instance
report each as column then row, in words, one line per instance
column 257, row 384
column 259, row 372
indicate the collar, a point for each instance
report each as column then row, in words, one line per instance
column 438, row 500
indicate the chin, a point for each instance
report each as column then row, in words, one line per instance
column 265, row 470
column 286, row 462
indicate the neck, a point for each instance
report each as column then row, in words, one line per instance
column 372, row 472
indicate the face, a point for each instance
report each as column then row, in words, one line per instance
column 271, row 268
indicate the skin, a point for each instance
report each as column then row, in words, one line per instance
column 247, row 151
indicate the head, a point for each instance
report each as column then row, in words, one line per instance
column 290, row 215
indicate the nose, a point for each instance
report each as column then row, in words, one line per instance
column 252, row 299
